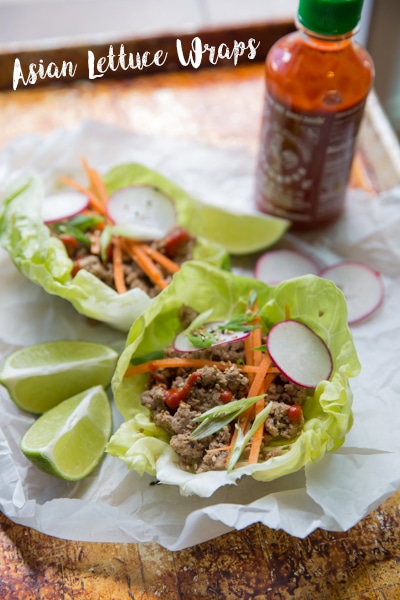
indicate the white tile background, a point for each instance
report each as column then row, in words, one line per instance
column 29, row 20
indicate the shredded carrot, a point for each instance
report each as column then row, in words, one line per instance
column 257, row 437
column 163, row 260
column 94, row 202
column 259, row 434
column 256, row 388
column 96, row 182
column 119, row 278
column 185, row 363
column 136, row 251
column 258, row 380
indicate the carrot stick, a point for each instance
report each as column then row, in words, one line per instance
column 257, row 437
column 185, row 363
column 136, row 251
column 96, row 182
column 148, row 266
column 257, row 384
column 94, row 202
column 248, row 348
column 259, row 434
column 258, row 381
column 163, row 260
column 119, row 278
column 249, row 345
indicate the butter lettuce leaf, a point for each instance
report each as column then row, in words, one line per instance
column 328, row 412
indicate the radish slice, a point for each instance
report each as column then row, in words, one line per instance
column 63, row 205
column 361, row 286
column 277, row 265
column 301, row 355
column 143, row 206
column 208, row 331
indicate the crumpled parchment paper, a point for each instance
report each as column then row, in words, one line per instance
column 115, row 505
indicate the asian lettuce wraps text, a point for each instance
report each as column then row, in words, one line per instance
column 224, row 376
column 109, row 244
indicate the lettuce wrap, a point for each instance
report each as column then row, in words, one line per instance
column 316, row 302
column 44, row 260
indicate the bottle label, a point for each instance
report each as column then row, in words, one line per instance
column 305, row 161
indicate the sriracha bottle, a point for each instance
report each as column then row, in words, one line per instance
column 317, row 82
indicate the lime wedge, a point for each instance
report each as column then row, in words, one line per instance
column 41, row 376
column 68, row 441
column 238, row 233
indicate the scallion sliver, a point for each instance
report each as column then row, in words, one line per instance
column 217, row 417
column 242, row 440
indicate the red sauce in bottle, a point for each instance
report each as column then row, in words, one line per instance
column 316, row 88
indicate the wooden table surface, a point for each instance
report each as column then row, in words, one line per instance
column 221, row 107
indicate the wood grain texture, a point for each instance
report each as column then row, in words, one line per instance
column 220, row 107
column 255, row 563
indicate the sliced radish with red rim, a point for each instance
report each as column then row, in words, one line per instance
column 275, row 266
column 299, row 353
column 63, row 205
column 361, row 285
column 144, row 207
column 208, row 335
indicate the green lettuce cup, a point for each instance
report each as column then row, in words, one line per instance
column 318, row 303
column 44, row 259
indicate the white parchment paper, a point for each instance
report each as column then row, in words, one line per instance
column 115, row 505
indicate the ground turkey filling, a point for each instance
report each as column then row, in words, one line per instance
column 211, row 387
column 134, row 276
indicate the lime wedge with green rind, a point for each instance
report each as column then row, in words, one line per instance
column 68, row 440
column 239, row 233
column 41, row 376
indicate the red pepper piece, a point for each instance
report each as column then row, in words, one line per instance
column 295, row 413
column 226, row 396
column 174, row 241
column 69, row 242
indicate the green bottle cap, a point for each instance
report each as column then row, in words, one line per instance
column 330, row 17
